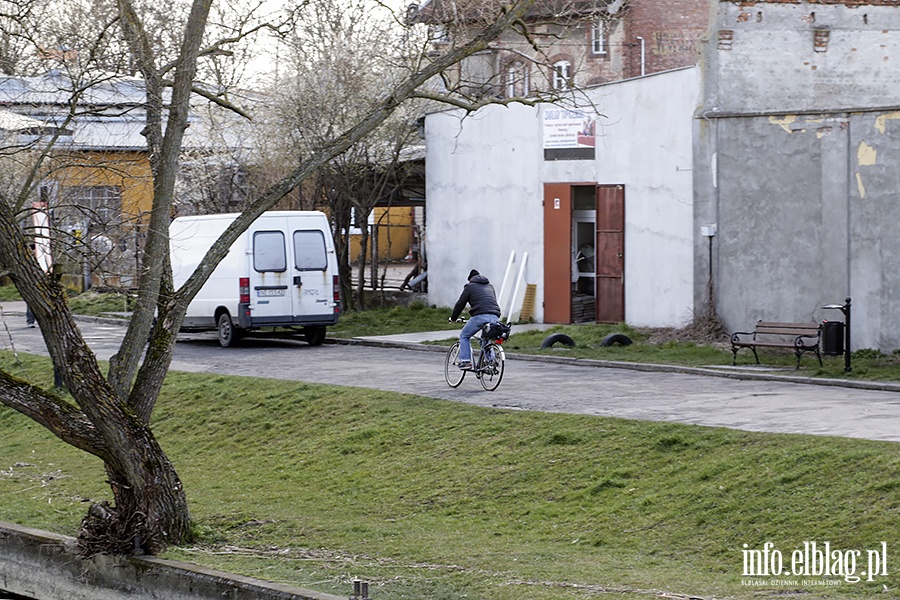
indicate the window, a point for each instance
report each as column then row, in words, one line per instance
column 101, row 205
column 517, row 84
column 309, row 251
column 268, row 251
column 562, row 75
column 598, row 38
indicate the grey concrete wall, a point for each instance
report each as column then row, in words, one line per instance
column 43, row 565
column 797, row 55
column 781, row 241
column 807, row 214
column 797, row 161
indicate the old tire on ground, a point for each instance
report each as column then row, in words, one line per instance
column 557, row 337
column 616, row 339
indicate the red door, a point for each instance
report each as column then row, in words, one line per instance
column 609, row 255
column 557, row 253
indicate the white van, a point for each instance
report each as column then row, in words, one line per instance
column 280, row 273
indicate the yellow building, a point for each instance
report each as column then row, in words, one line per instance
column 394, row 233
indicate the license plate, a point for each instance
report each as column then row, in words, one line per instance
column 267, row 293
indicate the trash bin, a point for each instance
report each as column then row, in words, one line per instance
column 833, row 338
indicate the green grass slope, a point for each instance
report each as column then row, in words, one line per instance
column 316, row 485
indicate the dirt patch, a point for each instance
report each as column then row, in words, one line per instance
column 703, row 331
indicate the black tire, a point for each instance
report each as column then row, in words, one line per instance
column 492, row 369
column 452, row 373
column 314, row 336
column 228, row 334
column 557, row 337
column 613, row 339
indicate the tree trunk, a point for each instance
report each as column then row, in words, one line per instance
column 150, row 510
column 361, row 265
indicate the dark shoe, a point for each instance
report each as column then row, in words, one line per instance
column 465, row 365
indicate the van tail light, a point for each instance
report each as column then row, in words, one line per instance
column 244, row 290
column 336, row 283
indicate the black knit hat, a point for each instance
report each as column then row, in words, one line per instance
column 472, row 274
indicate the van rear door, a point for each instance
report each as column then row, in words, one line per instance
column 312, row 279
column 270, row 278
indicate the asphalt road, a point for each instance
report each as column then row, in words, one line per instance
column 772, row 405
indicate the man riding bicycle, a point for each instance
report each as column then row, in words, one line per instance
column 479, row 294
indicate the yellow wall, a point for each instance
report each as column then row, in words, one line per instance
column 395, row 233
column 129, row 171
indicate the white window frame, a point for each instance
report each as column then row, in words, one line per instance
column 598, row 38
column 517, row 75
column 562, row 75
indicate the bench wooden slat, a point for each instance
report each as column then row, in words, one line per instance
column 769, row 344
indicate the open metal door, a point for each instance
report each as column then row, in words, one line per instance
column 610, row 253
column 557, row 253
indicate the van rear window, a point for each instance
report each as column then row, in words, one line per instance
column 268, row 251
column 309, row 250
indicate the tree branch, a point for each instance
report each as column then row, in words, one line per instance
column 62, row 419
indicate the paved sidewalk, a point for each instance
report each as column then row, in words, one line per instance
column 434, row 336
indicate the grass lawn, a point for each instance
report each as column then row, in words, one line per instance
column 315, row 485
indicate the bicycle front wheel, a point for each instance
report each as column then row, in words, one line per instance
column 452, row 373
column 492, row 371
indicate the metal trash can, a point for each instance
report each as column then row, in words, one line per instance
column 833, row 338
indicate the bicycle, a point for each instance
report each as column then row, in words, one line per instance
column 488, row 360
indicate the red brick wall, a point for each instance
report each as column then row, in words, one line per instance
column 672, row 32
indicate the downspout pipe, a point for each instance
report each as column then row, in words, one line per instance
column 643, row 55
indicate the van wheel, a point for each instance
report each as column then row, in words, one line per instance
column 228, row 334
column 314, row 335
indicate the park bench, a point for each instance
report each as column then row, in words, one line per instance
column 802, row 337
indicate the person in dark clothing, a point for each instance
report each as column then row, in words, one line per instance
column 479, row 294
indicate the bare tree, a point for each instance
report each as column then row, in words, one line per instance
column 108, row 414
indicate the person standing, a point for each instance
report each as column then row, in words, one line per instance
column 479, row 294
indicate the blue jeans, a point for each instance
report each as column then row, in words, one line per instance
column 472, row 326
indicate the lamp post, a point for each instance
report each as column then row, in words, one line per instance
column 844, row 308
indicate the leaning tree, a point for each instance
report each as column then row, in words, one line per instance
column 108, row 414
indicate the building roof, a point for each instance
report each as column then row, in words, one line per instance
column 446, row 11
column 110, row 116
column 10, row 121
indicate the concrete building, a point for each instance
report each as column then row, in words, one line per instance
column 492, row 191
column 764, row 180
column 798, row 165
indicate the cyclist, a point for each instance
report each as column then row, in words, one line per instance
column 479, row 294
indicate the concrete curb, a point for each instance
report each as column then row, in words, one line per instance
column 648, row 367
column 44, row 565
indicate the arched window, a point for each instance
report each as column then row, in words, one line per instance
column 516, row 82
column 562, row 75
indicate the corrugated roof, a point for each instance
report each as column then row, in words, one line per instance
column 10, row 121
column 446, row 11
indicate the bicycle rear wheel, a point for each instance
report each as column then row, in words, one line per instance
column 492, row 371
column 452, row 373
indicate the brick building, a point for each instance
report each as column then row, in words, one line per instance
column 573, row 43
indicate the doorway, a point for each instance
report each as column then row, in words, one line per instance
column 584, row 253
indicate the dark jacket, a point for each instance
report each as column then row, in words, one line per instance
column 479, row 294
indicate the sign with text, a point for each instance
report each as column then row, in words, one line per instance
column 569, row 134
